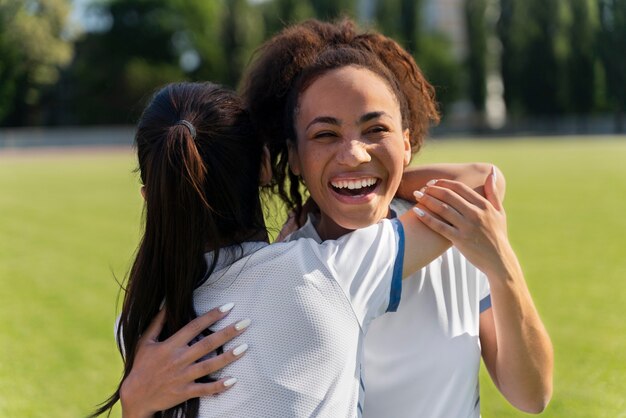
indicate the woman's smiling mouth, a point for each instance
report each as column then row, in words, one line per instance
column 354, row 187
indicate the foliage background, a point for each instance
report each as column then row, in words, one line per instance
column 557, row 58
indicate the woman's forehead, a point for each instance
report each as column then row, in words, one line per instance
column 348, row 90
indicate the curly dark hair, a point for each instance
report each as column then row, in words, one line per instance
column 277, row 69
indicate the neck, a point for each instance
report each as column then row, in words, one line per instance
column 327, row 228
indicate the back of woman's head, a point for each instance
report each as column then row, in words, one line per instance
column 199, row 161
column 279, row 62
column 191, row 140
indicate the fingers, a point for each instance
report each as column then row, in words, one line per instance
column 217, row 339
column 155, row 327
column 206, row 367
column 442, row 228
column 436, row 188
column 197, row 390
column 199, row 324
column 491, row 192
column 444, row 204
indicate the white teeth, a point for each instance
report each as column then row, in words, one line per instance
column 354, row 184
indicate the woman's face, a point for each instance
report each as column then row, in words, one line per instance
column 351, row 148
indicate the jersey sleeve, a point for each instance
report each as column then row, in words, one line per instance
column 367, row 265
column 484, row 292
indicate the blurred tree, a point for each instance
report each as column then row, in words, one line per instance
column 332, row 9
column 401, row 20
column 581, row 62
column 279, row 13
column 440, row 67
column 612, row 42
column 476, row 60
column 153, row 42
column 34, row 47
column 534, row 40
column 115, row 68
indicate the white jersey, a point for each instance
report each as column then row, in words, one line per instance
column 423, row 360
column 310, row 306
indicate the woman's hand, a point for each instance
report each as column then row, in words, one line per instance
column 476, row 225
column 164, row 372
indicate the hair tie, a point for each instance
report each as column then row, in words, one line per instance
column 189, row 126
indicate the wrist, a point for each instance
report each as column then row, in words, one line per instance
column 506, row 270
column 131, row 409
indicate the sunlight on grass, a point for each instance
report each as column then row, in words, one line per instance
column 70, row 224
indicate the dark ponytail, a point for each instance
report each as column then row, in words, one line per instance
column 194, row 203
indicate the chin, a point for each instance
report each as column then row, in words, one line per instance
column 362, row 222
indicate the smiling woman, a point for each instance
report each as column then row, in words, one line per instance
column 350, row 147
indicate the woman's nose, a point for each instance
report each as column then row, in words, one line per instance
column 353, row 152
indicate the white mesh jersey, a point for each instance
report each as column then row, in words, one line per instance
column 310, row 306
column 423, row 360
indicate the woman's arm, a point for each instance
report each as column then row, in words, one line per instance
column 164, row 372
column 423, row 243
column 471, row 174
column 516, row 347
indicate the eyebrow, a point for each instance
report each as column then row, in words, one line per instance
column 334, row 121
column 373, row 115
column 324, row 119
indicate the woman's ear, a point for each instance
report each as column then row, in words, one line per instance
column 294, row 159
column 408, row 152
column 265, row 174
column 143, row 192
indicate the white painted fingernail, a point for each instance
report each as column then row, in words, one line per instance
column 243, row 324
column 418, row 194
column 240, row 350
column 162, row 305
column 227, row 307
column 431, row 182
column 228, row 383
column 494, row 173
column 419, row 212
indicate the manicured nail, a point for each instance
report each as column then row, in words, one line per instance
column 419, row 212
column 228, row 383
column 243, row 324
column 418, row 194
column 227, row 307
column 240, row 350
column 162, row 305
column 431, row 182
column 494, row 174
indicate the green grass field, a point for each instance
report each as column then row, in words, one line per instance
column 69, row 225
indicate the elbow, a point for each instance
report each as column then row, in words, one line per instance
column 537, row 402
column 537, row 406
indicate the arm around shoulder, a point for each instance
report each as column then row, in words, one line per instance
column 470, row 174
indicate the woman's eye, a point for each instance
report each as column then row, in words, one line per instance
column 324, row 134
column 377, row 129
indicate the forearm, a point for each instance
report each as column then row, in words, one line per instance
column 471, row 174
column 523, row 363
column 422, row 244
